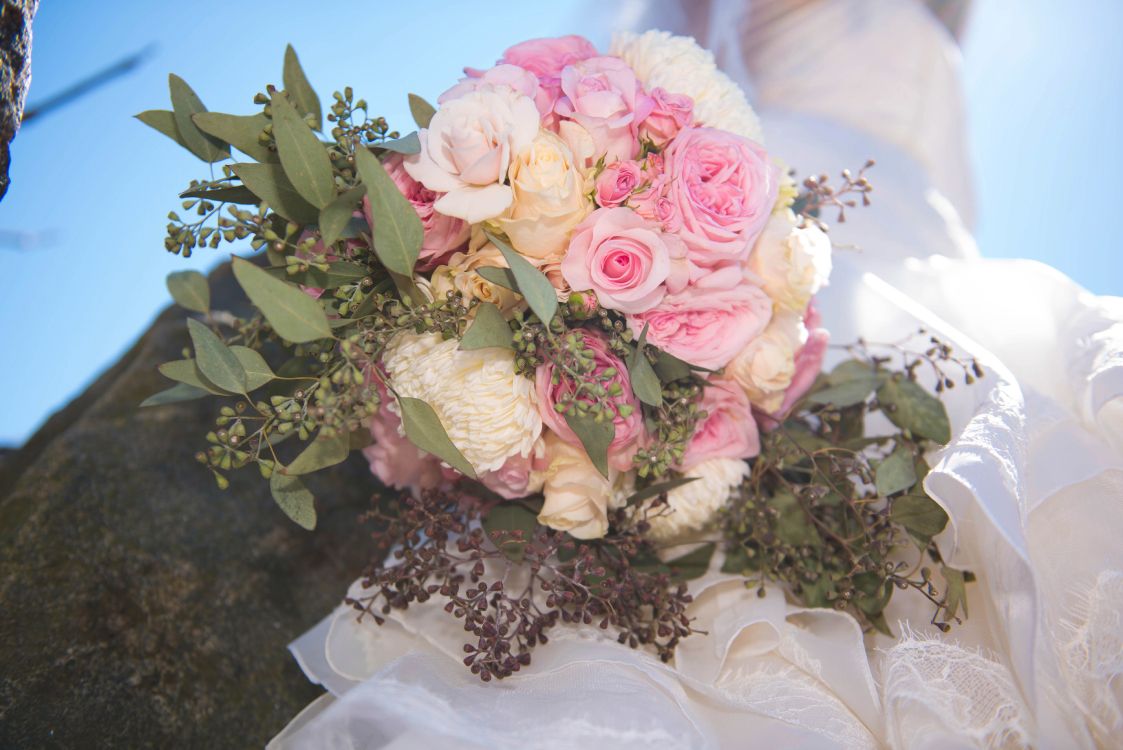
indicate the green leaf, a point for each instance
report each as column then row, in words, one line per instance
column 163, row 121
column 896, row 473
column 957, row 591
column 215, row 360
column 189, row 290
column 645, row 383
column 912, row 408
column 532, row 284
column 737, row 562
column 487, row 330
column 258, row 372
column 397, row 229
column 186, row 103
column 294, row 315
column 321, row 453
column 186, row 371
column 509, row 517
column 693, row 564
column 920, row 515
column 670, row 368
column 424, row 429
column 240, row 131
column 303, row 155
column 655, row 490
column 335, row 215
column 595, row 436
column 421, row 110
column 874, row 592
column 501, row 276
column 294, row 498
column 269, row 183
column 175, row 394
column 409, row 144
column 234, row 194
column 844, row 394
column 297, row 86
column 792, row 525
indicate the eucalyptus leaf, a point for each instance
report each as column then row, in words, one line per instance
column 844, row 394
column 215, row 360
column 335, row 215
column 240, row 131
column 186, row 371
column 595, row 436
column 792, row 524
column 645, row 383
column 896, row 473
column 920, row 515
column 532, row 284
column 294, row 498
column 258, row 372
column 489, row 329
column 424, row 429
column 303, row 155
column 501, row 276
column 912, row 408
column 397, row 229
column 407, row 144
column 269, row 183
column 294, row 315
column 164, row 121
column 321, row 453
column 190, row 291
column 186, row 103
column 510, row 517
column 693, row 564
column 177, row 393
column 736, row 561
column 655, row 490
column 670, row 368
column 234, row 194
column 297, row 86
column 957, row 591
column 421, row 110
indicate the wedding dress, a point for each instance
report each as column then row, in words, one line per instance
column 1033, row 482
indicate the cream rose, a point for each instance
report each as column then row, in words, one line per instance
column 765, row 368
column 692, row 506
column 467, row 149
column 550, row 199
column 461, row 275
column 488, row 410
column 794, row 262
column 578, row 497
column 679, row 65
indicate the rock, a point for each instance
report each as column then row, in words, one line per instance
column 142, row 606
column 15, row 73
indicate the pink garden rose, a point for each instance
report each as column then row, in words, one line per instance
column 724, row 187
column 728, row 431
column 444, row 235
column 546, row 58
column 629, row 263
column 512, row 76
column 628, row 428
column 519, row 476
column 617, row 183
column 670, row 113
column 395, row 460
column 707, row 323
column 603, row 96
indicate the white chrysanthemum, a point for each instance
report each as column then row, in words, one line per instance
column 488, row 410
column 691, row 506
column 679, row 65
column 794, row 262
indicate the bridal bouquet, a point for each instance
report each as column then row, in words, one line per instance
column 569, row 323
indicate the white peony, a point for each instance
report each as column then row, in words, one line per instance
column 692, row 506
column 488, row 410
column 794, row 262
column 765, row 368
column 679, row 65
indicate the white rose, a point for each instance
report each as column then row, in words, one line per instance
column 467, row 148
column 550, row 199
column 577, row 496
column 794, row 262
column 692, row 506
column 679, row 65
column 766, row 366
column 461, row 275
column 489, row 411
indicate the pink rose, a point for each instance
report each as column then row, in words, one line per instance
column 617, row 183
column 546, row 58
column 724, row 187
column 626, row 261
column 728, row 430
column 603, row 96
column 670, row 113
column 628, row 428
column 444, row 235
column 519, row 476
column 707, row 323
column 512, row 76
column 395, row 460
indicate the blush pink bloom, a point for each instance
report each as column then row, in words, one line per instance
column 629, row 263
column 519, row 79
column 728, row 431
column 395, row 460
column 670, row 113
column 518, row 477
column 545, row 59
column 808, row 361
column 617, row 183
column 629, row 429
column 724, row 187
column 444, row 235
column 707, row 324
column 603, row 96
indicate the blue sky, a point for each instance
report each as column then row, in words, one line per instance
column 91, row 186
